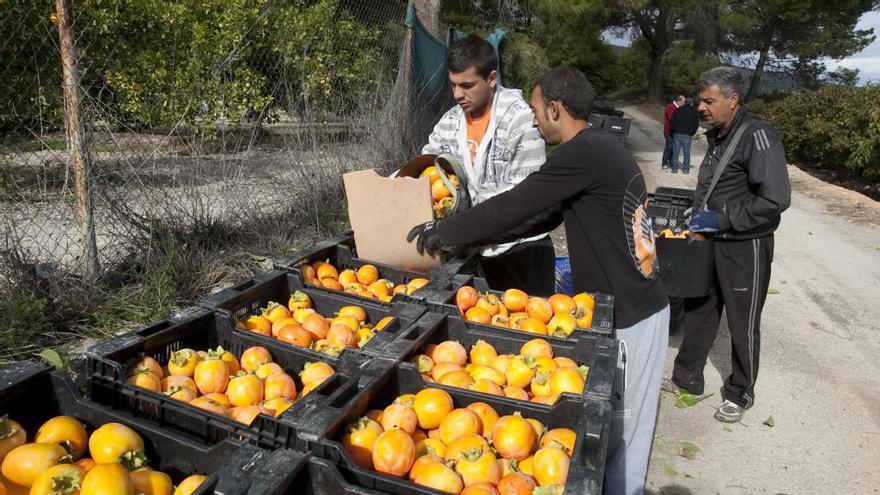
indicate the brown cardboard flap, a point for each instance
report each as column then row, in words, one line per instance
column 382, row 211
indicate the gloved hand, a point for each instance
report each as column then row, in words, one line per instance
column 428, row 238
column 704, row 221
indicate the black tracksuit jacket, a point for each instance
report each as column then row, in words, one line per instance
column 754, row 188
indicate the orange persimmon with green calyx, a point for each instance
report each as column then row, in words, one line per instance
column 245, row 390
column 500, row 320
column 358, row 441
column 208, row 404
column 254, row 357
column 464, row 443
column 550, row 466
column 317, row 325
column 478, row 465
column 114, row 442
column 341, row 336
column 247, row 414
column 182, row 394
column 183, row 362
column 393, row 453
column 364, row 336
column 482, row 372
column 149, row 482
column 537, row 348
column 539, row 427
column 301, row 314
column 501, row 362
column 439, row 476
column 277, row 405
column 520, row 371
column 308, row 273
column 483, row 353
column 279, row 324
column 450, row 351
column 539, row 309
column 563, row 438
column 545, row 365
column 488, row 416
column 541, row 385
column 219, row 398
column 514, row 320
column 367, row 274
column 490, row 303
column 350, row 321
column 258, row 324
column 439, row 191
column 382, row 287
column 190, row 484
column 65, row 431
column 397, row 416
column 149, row 364
column 478, row 315
column 60, row 479
column 485, row 386
column 296, row 335
column 211, row 375
column 430, row 446
column 457, row 378
column 315, row 371
column 525, row 465
column 147, row 380
column 562, row 304
column 348, row 277
column 513, row 437
column 566, row 380
column 459, row 422
column 326, row 270
column 327, row 348
column 279, row 385
column 561, row 325
column 564, row 362
column 482, row 488
column 515, row 393
column 431, row 405
column 465, row 298
column 416, row 284
column 267, row 370
column 356, row 312
column 532, row 325
column 26, row 462
column 440, row 369
column 227, row 357
column 107, row 479
column 516, row 483
column 331, row 283
column 398, row 289
column 422, row 461
column 515, row 300
column 431, row 173
column 274, row 312
column 299, row 300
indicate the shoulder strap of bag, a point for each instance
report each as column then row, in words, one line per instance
column 725, row 159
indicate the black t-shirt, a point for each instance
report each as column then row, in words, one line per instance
column 593, row 184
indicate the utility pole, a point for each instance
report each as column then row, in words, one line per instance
column 80, row 161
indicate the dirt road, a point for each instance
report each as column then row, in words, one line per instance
column 820, row 355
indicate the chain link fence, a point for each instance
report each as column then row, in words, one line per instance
column 214, row 135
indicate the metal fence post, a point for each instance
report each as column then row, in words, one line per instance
column 80, row 161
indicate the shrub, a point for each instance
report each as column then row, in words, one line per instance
column 833, row 127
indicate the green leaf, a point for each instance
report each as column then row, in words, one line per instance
column 52, row 357
column 688, row 450
column 685, row 400
column 769, row 422
column 772, row 291
column 669, row 471
column 727, row 428
column 258, row 258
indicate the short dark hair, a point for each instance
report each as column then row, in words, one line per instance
column 570, row 87
column 472, row 51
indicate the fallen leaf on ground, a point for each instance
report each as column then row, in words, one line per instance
column 769, row 422
column 688, row 450
column 772, row 291
column 727, row 428
column 52, row 357
column 669, row 471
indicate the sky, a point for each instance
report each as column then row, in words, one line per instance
column 867, row 61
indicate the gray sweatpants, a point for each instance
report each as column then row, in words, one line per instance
column 642, row 358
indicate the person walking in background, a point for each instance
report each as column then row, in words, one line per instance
column 682, row 126
column 667, row 135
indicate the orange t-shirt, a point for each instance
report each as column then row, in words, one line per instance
column 476, row 130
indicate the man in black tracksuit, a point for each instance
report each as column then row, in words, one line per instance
column 595, row 187
column 742, row 214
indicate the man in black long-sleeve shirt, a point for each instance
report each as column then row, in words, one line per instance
column 742, row 213
column 594, row 186
column 683, row 125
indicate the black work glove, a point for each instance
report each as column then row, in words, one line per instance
column 428, row 238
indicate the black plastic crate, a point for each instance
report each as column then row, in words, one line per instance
column 590, row 419
column 596, row 351
column 341, row 252
column 31, row 394
column 667, row 207
column 603, row 313
column 248, row 297
column 199, row 329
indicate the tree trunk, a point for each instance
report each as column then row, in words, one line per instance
column 703, row 27
column 655, row 78
column 429, row 13
column 755, row 83
column 659, row 37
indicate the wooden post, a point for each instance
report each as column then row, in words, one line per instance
column 76, row 145
column 406, row 104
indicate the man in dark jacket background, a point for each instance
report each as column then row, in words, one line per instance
column 683, row 125
column 666, row 161
column 742, row 213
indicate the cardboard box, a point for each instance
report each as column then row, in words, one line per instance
column 382, row 211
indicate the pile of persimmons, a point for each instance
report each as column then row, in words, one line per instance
column 470, row 450
column 364, row 281
column 64, row 459
column 218, row 382
column 556, row 316
column 300, row 325
column 532, row 375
